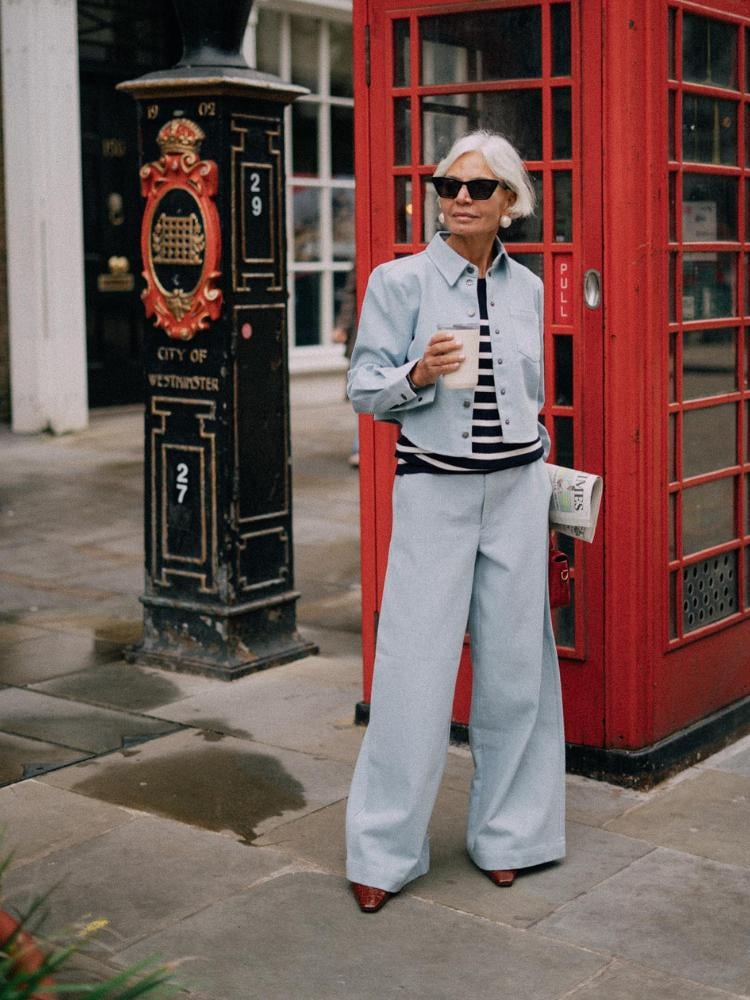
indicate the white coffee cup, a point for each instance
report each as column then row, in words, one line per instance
column 466, row 376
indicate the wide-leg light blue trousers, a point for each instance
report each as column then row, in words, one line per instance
column 464, row 548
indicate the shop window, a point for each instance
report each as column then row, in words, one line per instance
column 316, row 53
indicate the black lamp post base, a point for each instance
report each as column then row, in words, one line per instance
column 223, row 642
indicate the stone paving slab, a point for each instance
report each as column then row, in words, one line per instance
column 68, row 723
column 307, row 705
column 50, row 655
column 11, row 634
column 597, row 802
column 39, row 819
column 622, row 981
column 735, row 759
column 708, row 815
column 211, row 781
column 301, row 936
column 126, row 686
column 23, row 758
column 140, row 876
column 677, row 913
column 115, row 618
column 592, row 856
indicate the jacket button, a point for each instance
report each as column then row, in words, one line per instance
column 502, row 392
column 499, row 361
column 471, row 312
column 497, row 329
column 465, row 434
column 492, row 303
column 507, row 420
column 467, row 404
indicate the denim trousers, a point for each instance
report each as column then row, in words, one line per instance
column 465, row 548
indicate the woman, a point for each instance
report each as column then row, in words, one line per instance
column 469, row 542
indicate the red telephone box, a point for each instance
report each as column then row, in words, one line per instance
column 633, row 117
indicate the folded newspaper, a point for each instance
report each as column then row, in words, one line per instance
column 574, row 506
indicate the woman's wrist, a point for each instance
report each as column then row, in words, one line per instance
column 412, row 377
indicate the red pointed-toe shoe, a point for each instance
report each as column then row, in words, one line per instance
column 369, row 898
column 501, row 876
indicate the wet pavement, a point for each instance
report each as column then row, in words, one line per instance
column 204, row 821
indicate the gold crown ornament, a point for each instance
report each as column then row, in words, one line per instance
column 180, row 135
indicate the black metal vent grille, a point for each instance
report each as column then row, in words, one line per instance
column 709, row 590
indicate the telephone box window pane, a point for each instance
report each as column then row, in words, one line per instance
column 747, row 577
column 747, row 134
column 673, row 208
column 305, row 138
column 709, row 129
column 707, row 515
column 528, row 230
column 671, row 448
column 709, row 208
column 709, row 284
column 340, row 36
column 307, row 309
column 563, row 370
column 402, row 131
column 342, row 141
column 672, row 367
column 564, row 441
column 306, row 213
column 672, row 14
column 482, row 45
column 430, row 212
column 561, row 39
column 401, row 62
column 342, row 215
column 709, row 591
column 672, row 523
column 564, row 621
column 709, row 439
column 515, row 113
column 305, row 51
column 709, row 51
column 403, row 210
column 747, row 517
column 268, row 41
column 709, row 363
column 672, row 154
column 672, row 290
column 534, row 262
column 563, row 187
column 672, row 605
column 563, row 138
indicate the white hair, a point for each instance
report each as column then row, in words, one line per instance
column 504, row 162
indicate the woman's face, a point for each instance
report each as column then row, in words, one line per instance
column 467, row 217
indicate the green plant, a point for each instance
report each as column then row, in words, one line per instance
column 29, row 972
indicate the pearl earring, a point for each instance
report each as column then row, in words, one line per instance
column 505, row 221
column 441, row 218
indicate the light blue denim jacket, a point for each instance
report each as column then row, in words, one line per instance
column 406, row 302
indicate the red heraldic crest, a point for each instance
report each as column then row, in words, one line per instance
column 180, row 234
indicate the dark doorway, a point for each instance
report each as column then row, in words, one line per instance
column 118, row 40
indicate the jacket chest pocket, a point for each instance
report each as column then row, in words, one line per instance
column 526, row 330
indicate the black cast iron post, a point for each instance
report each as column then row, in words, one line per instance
column 219, row 596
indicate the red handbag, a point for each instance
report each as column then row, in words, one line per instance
column 559, row 579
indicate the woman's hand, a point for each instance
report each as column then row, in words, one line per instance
column 443, row 354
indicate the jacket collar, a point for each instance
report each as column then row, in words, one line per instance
column 451, row 264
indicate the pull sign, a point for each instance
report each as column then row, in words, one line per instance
column 592, row 288
column 563, row 288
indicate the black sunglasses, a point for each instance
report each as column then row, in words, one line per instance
column 480, row 188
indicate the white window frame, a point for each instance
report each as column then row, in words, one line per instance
column 325, row 356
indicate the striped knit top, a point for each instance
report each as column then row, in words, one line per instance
column 488, row 451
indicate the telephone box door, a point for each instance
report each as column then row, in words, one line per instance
column 426, row 73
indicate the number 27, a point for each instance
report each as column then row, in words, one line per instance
column 182, row 481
